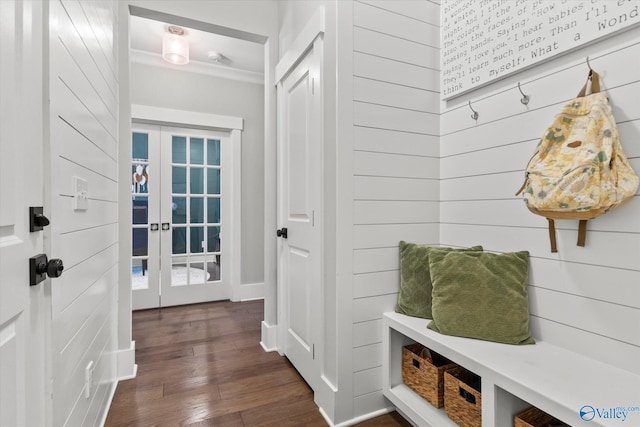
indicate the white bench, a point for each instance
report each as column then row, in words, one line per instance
column 556, row 380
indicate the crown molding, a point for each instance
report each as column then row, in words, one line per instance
column 197, row 67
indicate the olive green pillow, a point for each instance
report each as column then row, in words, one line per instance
column 414, row 298
column 481, row 295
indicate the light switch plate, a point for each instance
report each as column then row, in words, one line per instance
column 80, row 194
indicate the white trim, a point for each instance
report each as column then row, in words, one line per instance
column 182, row 118
column 358, row 419
column 197, row 67
column 107, row 408
column 251, row 291
column 269, row 337
column 234, row 226
column 314, row 27
column 126, row 367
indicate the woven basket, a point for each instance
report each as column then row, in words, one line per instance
column 534, row 417
column 461, row 401
column 423, row 377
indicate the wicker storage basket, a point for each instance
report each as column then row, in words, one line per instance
column 461, row 401
column 534, row 417
column 424, row 377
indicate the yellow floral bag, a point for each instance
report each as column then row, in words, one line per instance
column 579, row 170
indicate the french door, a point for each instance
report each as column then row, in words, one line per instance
column 178, row 189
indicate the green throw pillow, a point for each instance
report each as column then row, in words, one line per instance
column 481, row 295
column 414, row 298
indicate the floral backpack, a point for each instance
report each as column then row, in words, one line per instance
column 579, row 170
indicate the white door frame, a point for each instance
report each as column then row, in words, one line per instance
column 233, row 125
column 310, row 38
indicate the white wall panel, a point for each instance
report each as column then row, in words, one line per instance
column 86, row 33
column 395, row 212
column 381, row 236
column 498, row 159
column 383, row 117
column 582, row 298
column 400, row 73
column 367, row 332
column 76, row 116
column 371, row 308
column 427, row 11
column 514, row 213
column 84, row 127
column 368, row 403
column 394, row 95
column 601, row 318
column 394, row 165
column 76, row 247
column 100, row 187
column 394, row 188
column 388, row 141
column 619, row 287
column 374, row 43
column 367, row 381
column 367, row 357
column 379, row 283
column 613, row 352
column 76, row 280
column 376, row 16
column 478, row 187
column 377, row 259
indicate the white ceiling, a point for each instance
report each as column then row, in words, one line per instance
column 242, row 59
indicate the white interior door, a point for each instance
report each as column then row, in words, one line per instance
column 300, row 196
column 23, row 309
column 180, row 184
column 145, row 216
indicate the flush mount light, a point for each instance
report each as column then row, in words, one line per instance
column 175, row 46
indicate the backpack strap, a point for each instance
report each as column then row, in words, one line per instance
column 595, row 84
column 552, row 235
column 582, row 232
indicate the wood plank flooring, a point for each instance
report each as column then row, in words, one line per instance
column 202, row 365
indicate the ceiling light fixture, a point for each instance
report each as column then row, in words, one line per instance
column 175, row 46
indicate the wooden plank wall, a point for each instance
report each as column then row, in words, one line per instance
column 425, row 172
column 585, row 299
column 84, row 131
column 396, row 167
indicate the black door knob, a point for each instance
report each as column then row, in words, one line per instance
column 37, row 220
column 40, row 267
column 282, row 232
column 54, row 268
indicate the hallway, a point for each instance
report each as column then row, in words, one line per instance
column 202, row 365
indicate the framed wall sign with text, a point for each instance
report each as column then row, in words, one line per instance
column 484, row 40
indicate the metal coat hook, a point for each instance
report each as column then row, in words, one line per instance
column 589, row 65
column 525, row 98
column 475, row 114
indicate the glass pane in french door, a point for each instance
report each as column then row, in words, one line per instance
column 140, row 213
column 195, row 210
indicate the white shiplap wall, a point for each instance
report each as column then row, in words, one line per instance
column 83, row 143
column 396, row 165
column 585, row 299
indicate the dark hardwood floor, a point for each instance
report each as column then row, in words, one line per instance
column 202, row 365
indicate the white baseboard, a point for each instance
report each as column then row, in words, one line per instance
column 112, row 393
column 269, row 336
column 126, row 367
column 356, row 420
column 251, row 291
